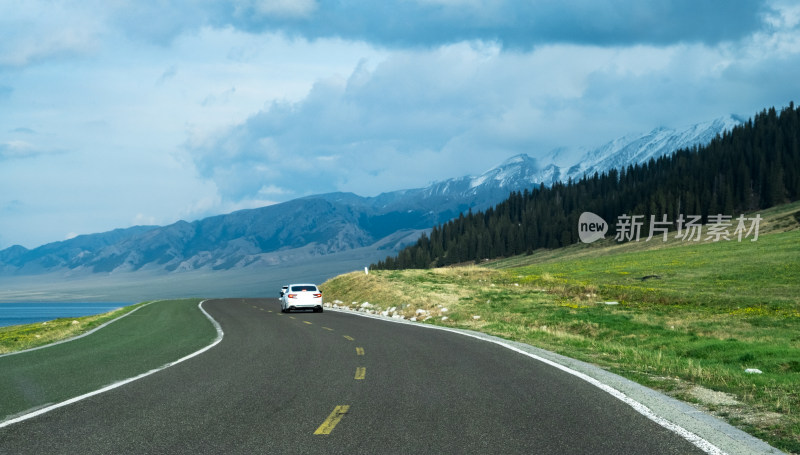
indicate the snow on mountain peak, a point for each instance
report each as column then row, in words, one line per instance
column 511, row 170
column 640, row 148
column 562, row 164
column 516, row 159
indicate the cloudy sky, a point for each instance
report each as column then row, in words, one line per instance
column 125, row 112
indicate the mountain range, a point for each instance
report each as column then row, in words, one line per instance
column 308, row 228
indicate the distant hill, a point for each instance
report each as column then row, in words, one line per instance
column 307, row 228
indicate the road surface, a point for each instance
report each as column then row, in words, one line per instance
column 338, row 383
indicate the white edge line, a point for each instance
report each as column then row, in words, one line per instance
column 698, row 441
column 44, row 410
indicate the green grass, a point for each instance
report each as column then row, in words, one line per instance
column 735, row 275
column 19, row 337
column 152, row 336
column 715, row 310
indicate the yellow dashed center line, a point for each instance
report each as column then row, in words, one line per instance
column 330, row 423
column 339, row 411
column 361, row 372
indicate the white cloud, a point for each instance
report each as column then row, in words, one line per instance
column 784, row 14
column 35, row 31
column 467, row 106
column 280, row 8
column 272, row 190
column 144, row 220
column 17, row 150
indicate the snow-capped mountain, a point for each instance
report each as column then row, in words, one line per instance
column 522, row 171
column 638, row 149
column 309, row 227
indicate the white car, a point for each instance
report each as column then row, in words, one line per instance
column 301, row 297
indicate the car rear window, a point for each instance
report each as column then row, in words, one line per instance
column 304, row 288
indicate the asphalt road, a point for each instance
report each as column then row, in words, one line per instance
column 278, row 380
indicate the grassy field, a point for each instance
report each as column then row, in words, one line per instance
column 707, row 313
column 154, row 335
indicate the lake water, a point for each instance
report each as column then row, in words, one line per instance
column 29, row 313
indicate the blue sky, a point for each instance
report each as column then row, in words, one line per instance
column 121, row 113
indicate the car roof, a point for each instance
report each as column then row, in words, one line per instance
column 303, row 284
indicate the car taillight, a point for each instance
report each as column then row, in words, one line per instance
column 317, row 295
column 291, row 296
